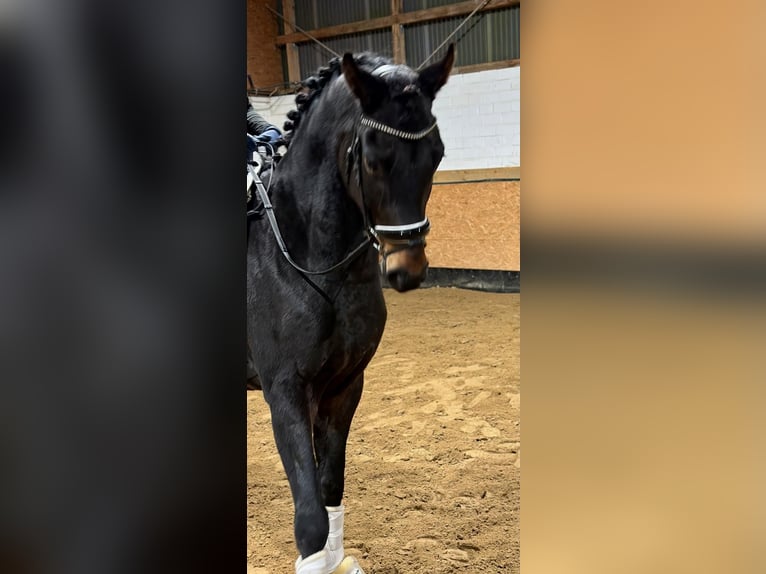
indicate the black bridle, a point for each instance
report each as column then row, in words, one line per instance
column 399, row 236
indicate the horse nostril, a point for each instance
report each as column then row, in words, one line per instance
column 396, row 279
column 401, row 280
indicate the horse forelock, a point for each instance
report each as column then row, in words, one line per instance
column 412, row 110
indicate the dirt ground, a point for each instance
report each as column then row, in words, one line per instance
column 433, row 467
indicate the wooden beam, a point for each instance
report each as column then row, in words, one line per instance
column 474, row 175
column 397, row 33
column 293, row 61
column 400, row 19
column 496, row 65
column 397, row 41
column 451, row 10
column 339, row 30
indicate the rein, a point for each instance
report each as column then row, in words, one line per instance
column 262, row 193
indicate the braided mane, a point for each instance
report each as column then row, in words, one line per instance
column 313, row 86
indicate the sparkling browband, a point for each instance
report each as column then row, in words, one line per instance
column 370, row 123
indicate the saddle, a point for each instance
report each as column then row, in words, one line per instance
column 262, row 159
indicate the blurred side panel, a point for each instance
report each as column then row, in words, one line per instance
column 121, row 298
column 643, row 246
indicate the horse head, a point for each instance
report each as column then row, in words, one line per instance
column 395, row 152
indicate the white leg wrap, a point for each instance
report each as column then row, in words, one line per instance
column 317, row 563
column 334, row 544
column 329, row 558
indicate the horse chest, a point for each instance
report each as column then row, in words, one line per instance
column 358, row 326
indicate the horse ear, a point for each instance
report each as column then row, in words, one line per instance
column 435, row 76
column 368, row 89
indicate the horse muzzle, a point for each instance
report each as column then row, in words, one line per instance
column 402, row 253
column 405, row 269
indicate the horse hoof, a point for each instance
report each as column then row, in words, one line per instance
column 349, row 566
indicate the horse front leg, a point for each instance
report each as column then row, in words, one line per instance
column 331, row 428
column 291, row 423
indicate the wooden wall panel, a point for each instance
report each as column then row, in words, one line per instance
column 475, row 226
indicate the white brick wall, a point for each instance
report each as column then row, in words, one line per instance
column 478, row 113
column 275, row 109
column 479, row 119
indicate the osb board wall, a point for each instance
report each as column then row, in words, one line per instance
column 475, row 225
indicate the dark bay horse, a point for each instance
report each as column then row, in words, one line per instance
column 346, row 202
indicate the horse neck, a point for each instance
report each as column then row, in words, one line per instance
column 313, row 196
